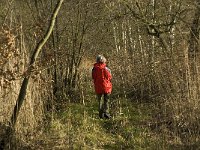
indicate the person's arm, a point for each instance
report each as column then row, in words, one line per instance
column 108, row 73
column 93, row 73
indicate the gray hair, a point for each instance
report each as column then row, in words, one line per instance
column 100, row 59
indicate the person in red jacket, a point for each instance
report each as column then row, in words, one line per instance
column 101, row 75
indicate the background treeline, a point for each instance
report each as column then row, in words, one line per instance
column 152, row 47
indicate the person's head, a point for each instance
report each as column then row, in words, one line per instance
column 100, row 59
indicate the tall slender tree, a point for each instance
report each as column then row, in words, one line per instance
column 25, row 82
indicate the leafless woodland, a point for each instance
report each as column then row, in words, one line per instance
column 152, row 47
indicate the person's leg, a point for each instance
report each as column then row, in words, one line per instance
column 106, row 106
column 100, row 105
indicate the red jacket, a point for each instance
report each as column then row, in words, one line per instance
column 102, row 78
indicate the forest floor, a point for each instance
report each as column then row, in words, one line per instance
column 77, row 126
column 132, row 127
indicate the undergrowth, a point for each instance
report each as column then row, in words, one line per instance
column 134, row 126
column 77, row 126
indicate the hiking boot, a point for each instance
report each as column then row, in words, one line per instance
column 106, row 116
column 101, row 114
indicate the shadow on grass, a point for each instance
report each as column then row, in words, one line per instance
column 185, row 147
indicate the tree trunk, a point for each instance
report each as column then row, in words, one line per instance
column 25, row 82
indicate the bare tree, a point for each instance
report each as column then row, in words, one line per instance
column 25, row 82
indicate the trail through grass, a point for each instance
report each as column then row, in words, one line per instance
column 78, row 126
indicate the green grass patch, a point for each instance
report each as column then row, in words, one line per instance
column 80, row 127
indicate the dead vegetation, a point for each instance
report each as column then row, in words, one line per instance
column 159, row 75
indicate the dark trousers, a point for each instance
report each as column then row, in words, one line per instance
column 103, row 104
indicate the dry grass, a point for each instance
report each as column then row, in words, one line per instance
column 165, row 84
column 78, row 127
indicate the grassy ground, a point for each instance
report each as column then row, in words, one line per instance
column 77, row 126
